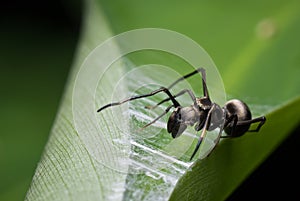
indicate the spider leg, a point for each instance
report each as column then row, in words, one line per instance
column 175, row 96
column 203, row 74
column 205, row 90
column 261, row 121
column 202, row 70
column 162, row 89
column 157, row 118
column 234, row 118
column 217, row 140
column 205, row 128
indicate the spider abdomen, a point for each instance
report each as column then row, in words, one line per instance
column 237, row 109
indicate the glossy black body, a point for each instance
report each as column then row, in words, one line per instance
column 234, row 118
column 242, row 112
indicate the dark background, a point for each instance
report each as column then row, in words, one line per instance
column 38, row 41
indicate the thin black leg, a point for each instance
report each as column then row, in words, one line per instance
column 261, row 121
column 205, row 90
column 162, row 89
column 175, row 96
column 234, row 119
column 187, row 76
column 206, row 125
column 157, row 118
column 203, row 74
column 217, row 140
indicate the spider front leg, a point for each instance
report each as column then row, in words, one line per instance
column 205, row 90
column 162, row 89
column 202, row 70
column 175, row 96
column 157, row 118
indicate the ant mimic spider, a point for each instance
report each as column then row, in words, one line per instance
column 234, row 118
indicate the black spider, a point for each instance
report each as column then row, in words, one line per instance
column 234, row 118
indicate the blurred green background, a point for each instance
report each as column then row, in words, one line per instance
column 38, row 42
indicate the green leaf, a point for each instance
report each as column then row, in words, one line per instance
column 66, row 170
column 81, row 163
column 234, row 159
